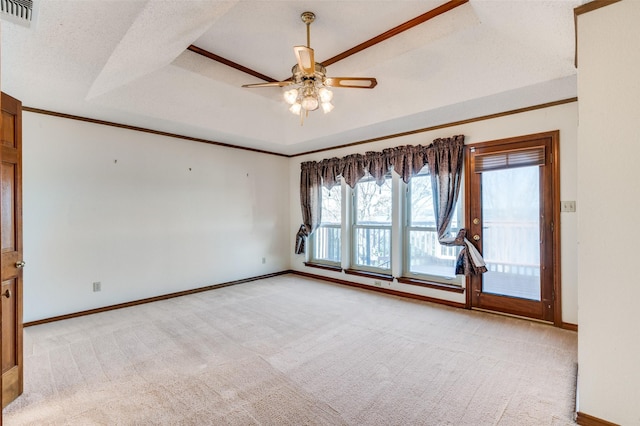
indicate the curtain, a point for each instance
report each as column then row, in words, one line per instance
column 330, row 172
column 310, row 203
column 377, row 165
column 406, row 160
column 353, row 169
column 444, row 158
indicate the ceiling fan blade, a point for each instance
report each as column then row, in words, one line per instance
column 306, row 62
column 272, row 84
column 353, row 82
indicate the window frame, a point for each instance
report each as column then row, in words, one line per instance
column 398, row 232
column 407, row 228
column 353, row 240
column 312, row 258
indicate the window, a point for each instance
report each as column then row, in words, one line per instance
column 372, row 221
column 326, row 239
column 424, row 257
column 388, row 235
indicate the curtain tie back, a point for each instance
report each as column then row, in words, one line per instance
column 301, row 239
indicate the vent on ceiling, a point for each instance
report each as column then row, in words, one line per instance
column 17, row 11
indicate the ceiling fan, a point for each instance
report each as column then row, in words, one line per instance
column 311, row 81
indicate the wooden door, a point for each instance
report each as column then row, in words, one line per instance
column 11, row 262
column 513, row 216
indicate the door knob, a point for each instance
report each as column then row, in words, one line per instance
column 7, row 293
column 476, row 237
column 20, row 264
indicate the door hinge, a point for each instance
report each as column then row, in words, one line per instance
column 551, row 226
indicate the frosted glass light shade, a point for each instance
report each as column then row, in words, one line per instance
column 308, row 95
column 290, row 96
column 295, row 108
column 325, row 94
column 310, row 103
column 327, row 107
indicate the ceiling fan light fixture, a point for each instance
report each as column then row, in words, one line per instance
column 309, row 82
column 310, row 102
column 327, row 107
column 325, row 94
column 296, row 108
column 309, row 94
column 290, row 96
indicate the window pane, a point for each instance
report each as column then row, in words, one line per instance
column 327, row 243
column 326, row 239
column 421, row 202
column 373, row 202
column 372, row 228
column 427, row 256
column 332, row 205
column 374, row 247
column 511, row 234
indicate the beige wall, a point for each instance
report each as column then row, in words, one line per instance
column 563, row 118
column 609, row 209
column 169, row 215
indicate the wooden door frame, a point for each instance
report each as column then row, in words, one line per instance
column 18, row 383
column 554, row 163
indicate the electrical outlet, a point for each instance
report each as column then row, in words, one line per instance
column 97, row 286
column 377, row 283
column 264, row 260
column 567, row 206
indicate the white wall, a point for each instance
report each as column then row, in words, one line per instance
column 562, row 117
column 145, row 225
column 608, row 152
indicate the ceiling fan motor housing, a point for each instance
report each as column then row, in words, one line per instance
column 299, row 76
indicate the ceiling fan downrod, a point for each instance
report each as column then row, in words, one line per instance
column 308, row 18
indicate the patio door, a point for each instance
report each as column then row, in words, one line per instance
column 512, row 189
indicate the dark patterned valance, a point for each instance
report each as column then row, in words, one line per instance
column 352, row 168
column 406, row 160
column 329, row 172
column 377, row 164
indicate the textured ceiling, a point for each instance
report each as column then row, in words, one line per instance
column 126, row 62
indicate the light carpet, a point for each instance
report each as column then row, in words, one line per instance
column 294, row 351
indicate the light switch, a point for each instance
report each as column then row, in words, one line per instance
column 567, row 206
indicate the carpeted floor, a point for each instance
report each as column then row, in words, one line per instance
column 293, row 351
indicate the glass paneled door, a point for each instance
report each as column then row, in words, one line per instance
column 511, row 192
